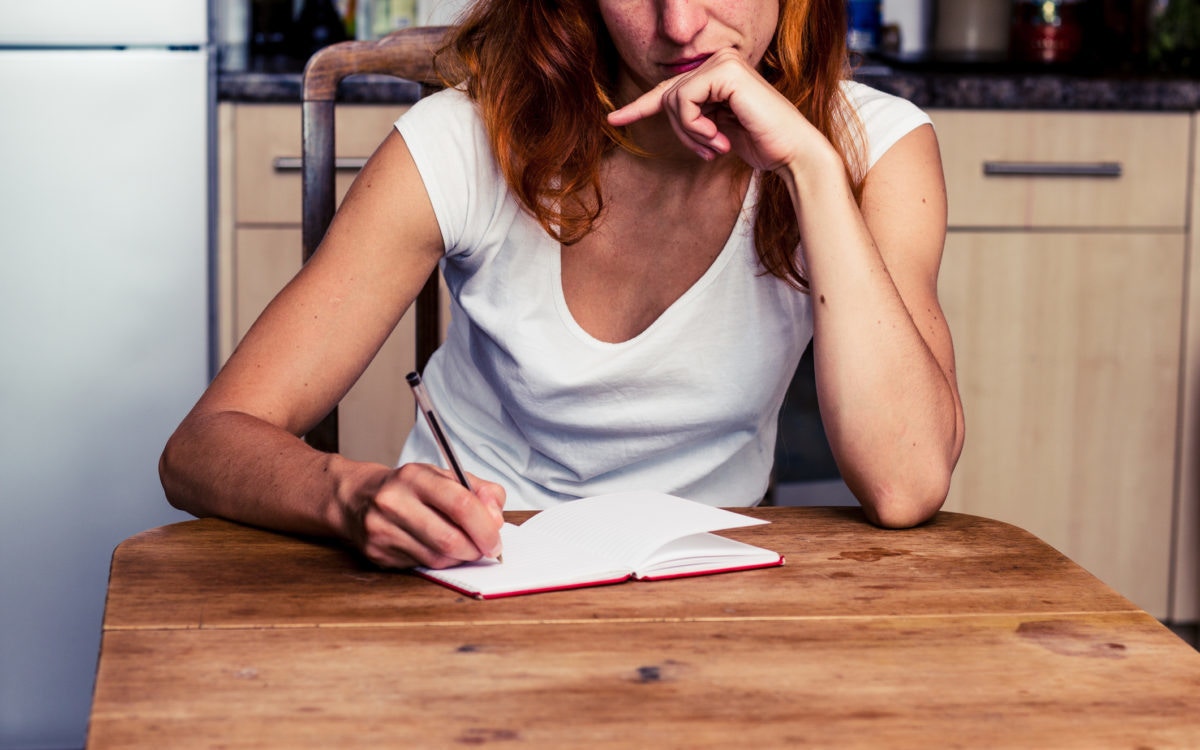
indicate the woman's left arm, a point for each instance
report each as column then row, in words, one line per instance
column 882, row 350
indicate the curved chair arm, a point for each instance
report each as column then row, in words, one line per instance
column 407, row 54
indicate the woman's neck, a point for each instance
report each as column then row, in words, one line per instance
column 678, row 179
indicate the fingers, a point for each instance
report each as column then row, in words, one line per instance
column 648, row 104
column 423, row 516
column 725, row 106
column 696, row 128
column 489, row 492
column 690, row 101
column 686, row 110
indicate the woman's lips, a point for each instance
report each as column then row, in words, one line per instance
column 683, row 65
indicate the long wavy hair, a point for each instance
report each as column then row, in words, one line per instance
column 544, row 73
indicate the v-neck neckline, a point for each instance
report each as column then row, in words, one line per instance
column 740, row 226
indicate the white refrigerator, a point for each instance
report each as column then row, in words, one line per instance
column 106, row 111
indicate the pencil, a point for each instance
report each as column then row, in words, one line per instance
column 425, row 406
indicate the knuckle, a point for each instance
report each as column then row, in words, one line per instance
column 444, row 540
column 378, row 555
column 374, row 524
column 495, row 495
column 460, row 504
column 408, row 473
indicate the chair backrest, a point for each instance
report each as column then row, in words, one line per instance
column 406, row 54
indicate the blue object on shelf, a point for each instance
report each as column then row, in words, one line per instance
column 864, row 23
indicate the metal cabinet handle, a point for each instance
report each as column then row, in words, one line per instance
column 1051, row 169
column 295, row 163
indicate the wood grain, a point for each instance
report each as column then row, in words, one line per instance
column 408, row 53
column 963, row 632
column 1056, row 681
column 837, row 565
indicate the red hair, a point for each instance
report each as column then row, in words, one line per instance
column 543, row 73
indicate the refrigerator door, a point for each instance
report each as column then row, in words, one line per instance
column 87, row 23
column 104, row 314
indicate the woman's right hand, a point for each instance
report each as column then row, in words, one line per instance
column 419, row 514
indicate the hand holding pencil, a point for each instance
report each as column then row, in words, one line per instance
column 418, row 514
column 425, row 406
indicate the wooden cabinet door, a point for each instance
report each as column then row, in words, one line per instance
column 1068, row 352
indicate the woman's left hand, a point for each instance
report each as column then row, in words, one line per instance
column 725, row 105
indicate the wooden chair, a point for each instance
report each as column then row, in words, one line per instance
column 406, row 54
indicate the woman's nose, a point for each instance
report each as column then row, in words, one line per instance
column 681, row 20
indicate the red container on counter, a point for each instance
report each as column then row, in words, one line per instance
column 1047, row 31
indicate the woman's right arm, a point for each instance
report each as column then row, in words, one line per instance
column 238, row 453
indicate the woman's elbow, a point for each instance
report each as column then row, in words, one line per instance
column 166, row 472
column 911, row 492
column 902, row 505
column 172, row 471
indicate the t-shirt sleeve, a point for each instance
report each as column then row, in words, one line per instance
column 886, row 118
column 447, row 141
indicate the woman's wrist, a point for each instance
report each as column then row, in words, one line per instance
column 355, row 484
column 819, row 169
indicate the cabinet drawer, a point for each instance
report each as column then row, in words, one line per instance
column 1065, row 169
column 267, row 156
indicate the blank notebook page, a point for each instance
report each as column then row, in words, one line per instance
column 628, row 526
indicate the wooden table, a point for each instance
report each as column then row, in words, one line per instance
column 964, row 632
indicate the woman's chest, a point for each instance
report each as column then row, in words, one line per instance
column 640, row 260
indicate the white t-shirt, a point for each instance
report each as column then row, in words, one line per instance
column 531, row 401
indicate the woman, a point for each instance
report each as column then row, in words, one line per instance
column 644, row 211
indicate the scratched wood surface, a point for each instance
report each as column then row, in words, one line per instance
column 1030, row 681
column 213, row 574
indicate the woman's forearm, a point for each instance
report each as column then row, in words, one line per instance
column 888, row 404
column 236, row 466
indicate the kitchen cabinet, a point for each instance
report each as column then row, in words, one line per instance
column 1063, row 282
column 259, row 250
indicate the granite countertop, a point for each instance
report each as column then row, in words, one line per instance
column 930, row 88
column 1033, row 90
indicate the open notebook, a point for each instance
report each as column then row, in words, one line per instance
column 609, row 539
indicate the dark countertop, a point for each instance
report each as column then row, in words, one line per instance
column 1032, row 90
column 930, row 88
